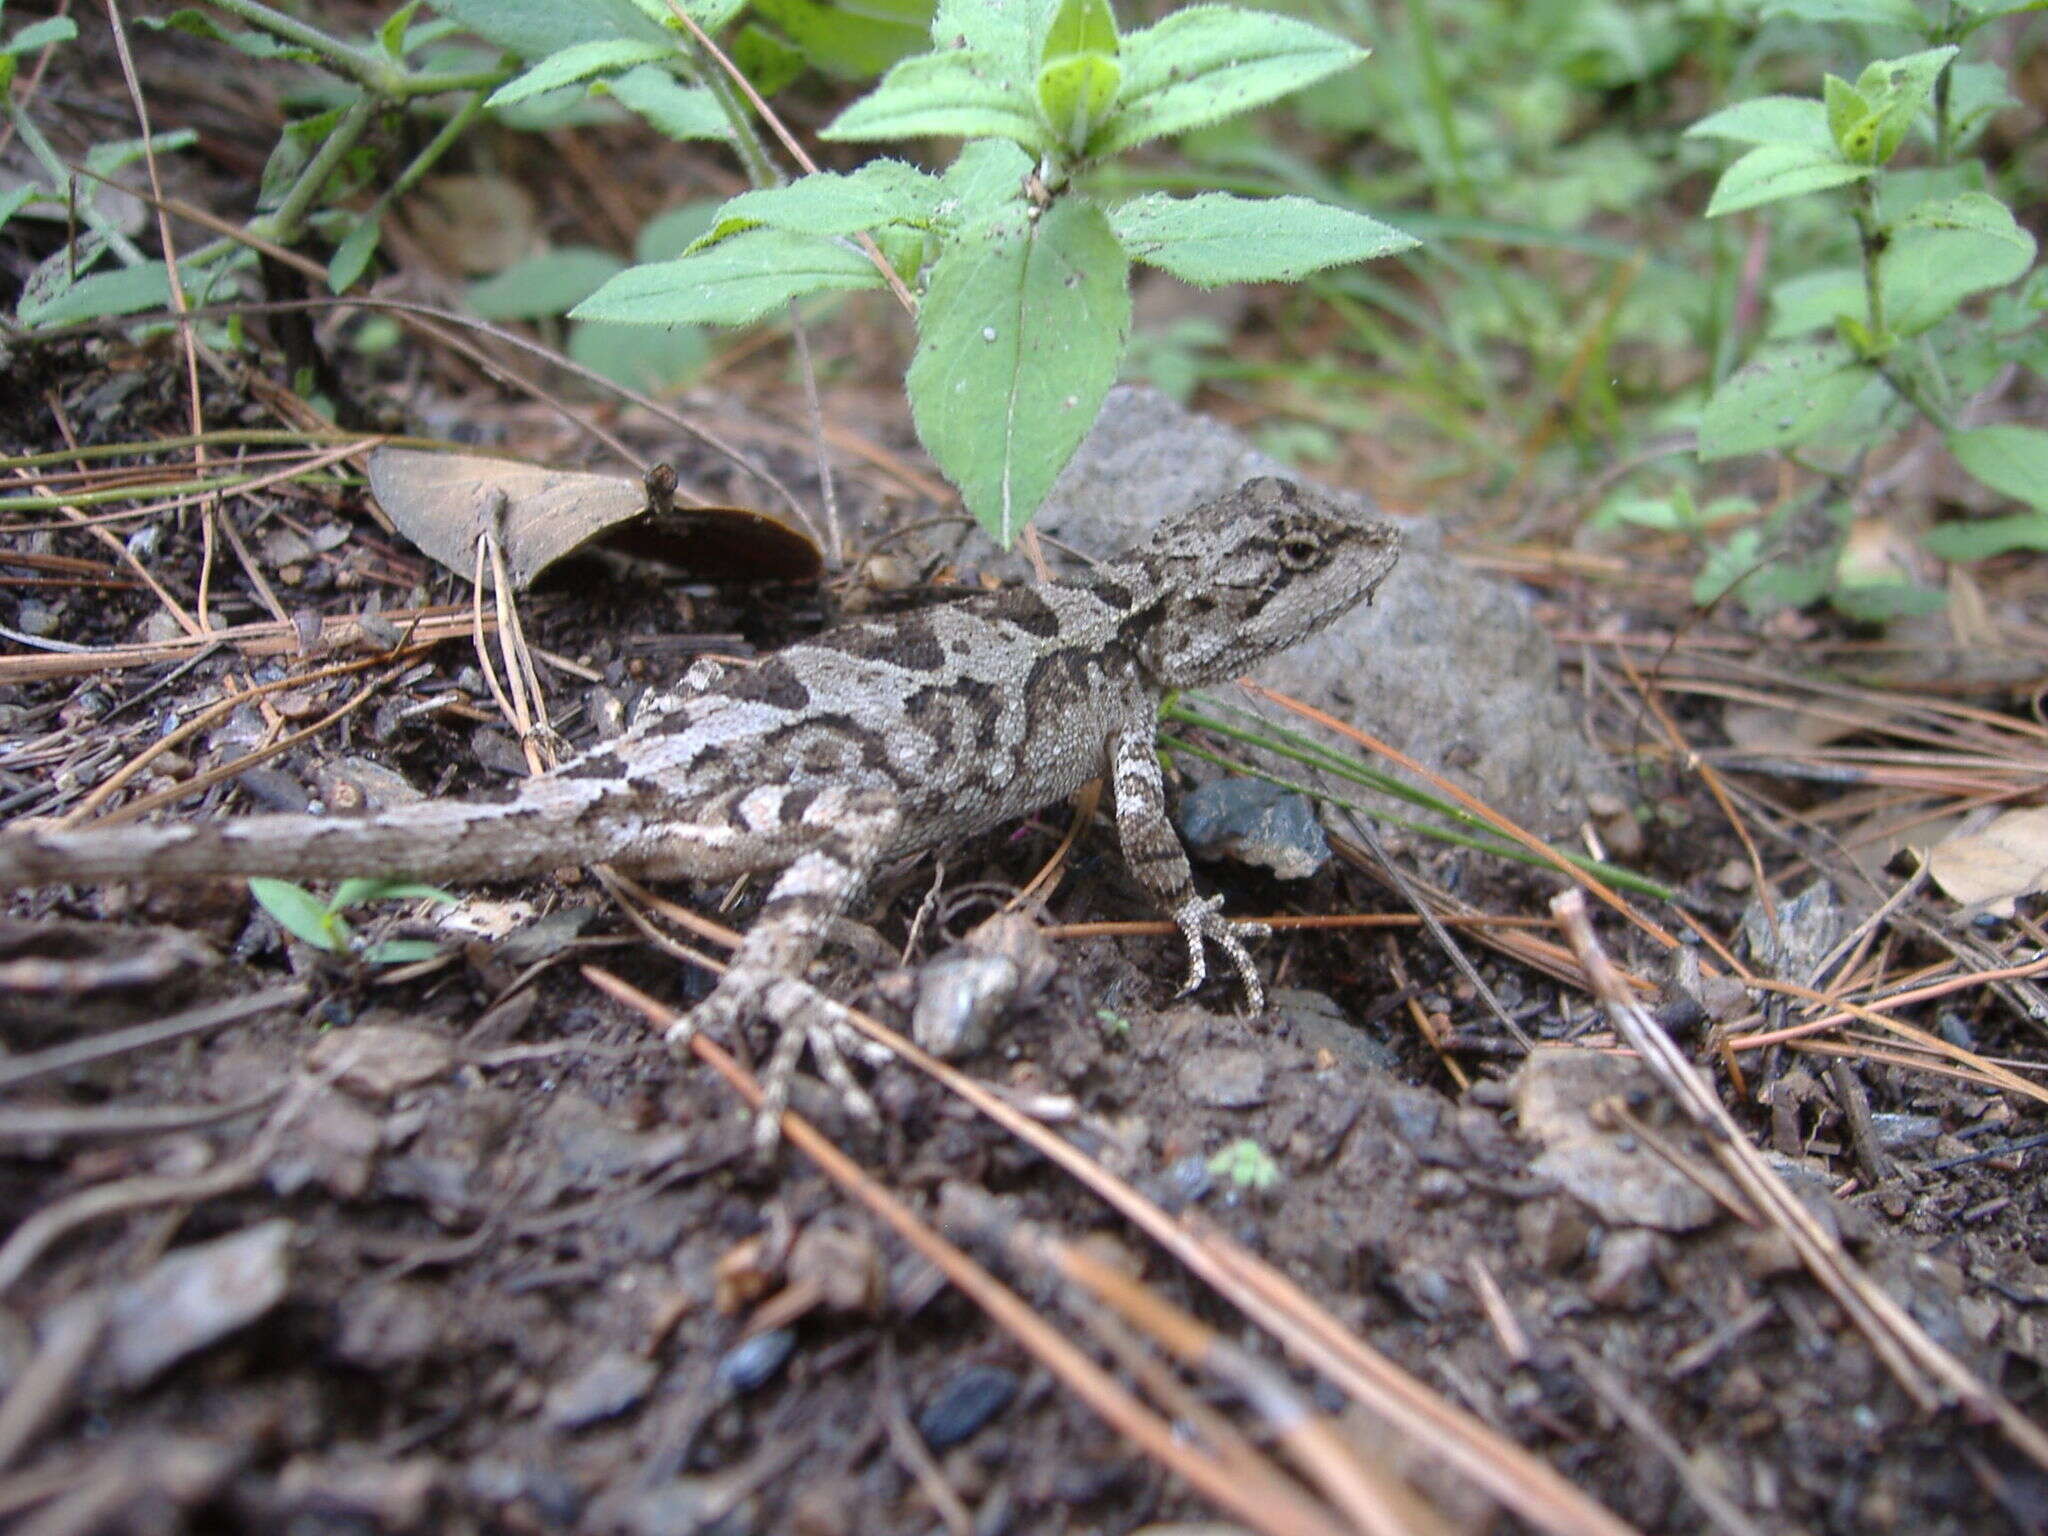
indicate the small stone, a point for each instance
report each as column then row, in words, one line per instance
column 1224, row 1078
column 194, row 1297
column 1625, row 1274
column 960, row 995
column 752, row 1363
column 1735, row 875
column 35, row 618
column 963, row 1403
column 376, row 1061
column 1553, row 1233
column 1257, row 823
column 603, row 1389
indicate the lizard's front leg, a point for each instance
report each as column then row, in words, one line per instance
column 833, row 839
column 1152, row 850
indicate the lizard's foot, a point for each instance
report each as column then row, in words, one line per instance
column 802, row 1015
column 1201, row 919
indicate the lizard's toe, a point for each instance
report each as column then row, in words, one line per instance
column 1202, row 922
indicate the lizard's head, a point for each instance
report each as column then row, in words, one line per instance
column 1241, row 577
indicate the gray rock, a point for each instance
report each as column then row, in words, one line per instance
column 1224, row 1077
column 194, row 1297
column 1447, row 665
column 603, row 1389
column 1255, row 823
column 1315, row 1023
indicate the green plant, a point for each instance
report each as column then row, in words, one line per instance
column 1025, row 304
column 1858, row 353
column 1246, row 1164
column 321, row 924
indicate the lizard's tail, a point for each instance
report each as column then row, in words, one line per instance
column 541, row 829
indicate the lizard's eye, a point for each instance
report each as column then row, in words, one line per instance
column 1298, row 551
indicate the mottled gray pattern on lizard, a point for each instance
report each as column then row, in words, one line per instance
column 879, row 738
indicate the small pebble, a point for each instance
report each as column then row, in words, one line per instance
column 603, row 1389
column 1225, row 1078
column 752, row 1363
column 964, row 1403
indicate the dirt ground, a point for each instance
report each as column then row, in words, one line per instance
column 295, row 1243
column 469, row 1249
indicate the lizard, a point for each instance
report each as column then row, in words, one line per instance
column 877, row 739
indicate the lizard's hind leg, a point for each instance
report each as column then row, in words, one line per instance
column 836, row 840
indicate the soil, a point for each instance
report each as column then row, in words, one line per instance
column 525, row 1245
column 461, row 1246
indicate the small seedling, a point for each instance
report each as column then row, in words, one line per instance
column 1114, row 1024
column 1246, row 1164
column 321, row 924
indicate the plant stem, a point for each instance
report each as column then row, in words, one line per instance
column 358, row 64
column 282, row 223
column 1873, row 237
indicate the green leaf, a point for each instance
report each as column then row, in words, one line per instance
column 1976, row 93
column 670, row 108
column 1961, row 543
column 1022, row 325
column 1217, row 238
column 257, row 45
column 1767, row 120
column 987, row 175
column 391, row 35
column 1009, row 33
column 41, row 34
column 299, row 912
column 358, row 890
column 1880, row 602
column 1081, row 27
column 957, row 93
column 1208, row 62
column 1781, row 399
column 14, row 199
column 1881, row 13
column 352, row 257
column 828, row 203
column 1773, row 171
column 539, row 29
column 402, row 951
column 668, row 235
column 1076, row 92
column 842, row 41
column 1898, row 91
column 112, row 155
column 643, row 357
column 102, row 295
column 1813, row 300
column 1943, row 251
column 733, row 283
column 2010, row 458
column 1848, row 116
column 580, row 61
column 551, row 283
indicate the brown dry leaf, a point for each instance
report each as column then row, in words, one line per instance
column 473, row 224
column 1761, row 728
column 444, row 501
column 1989, row 869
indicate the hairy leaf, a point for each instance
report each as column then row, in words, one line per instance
column 1783, row 398
column 828, row 203
column 2009, row 458
column 958, row 93
column 1217, row 238
column 1209, row 62
column 671, row 108
column 1773, row 171
column 733, row 283
column 1022, row 325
